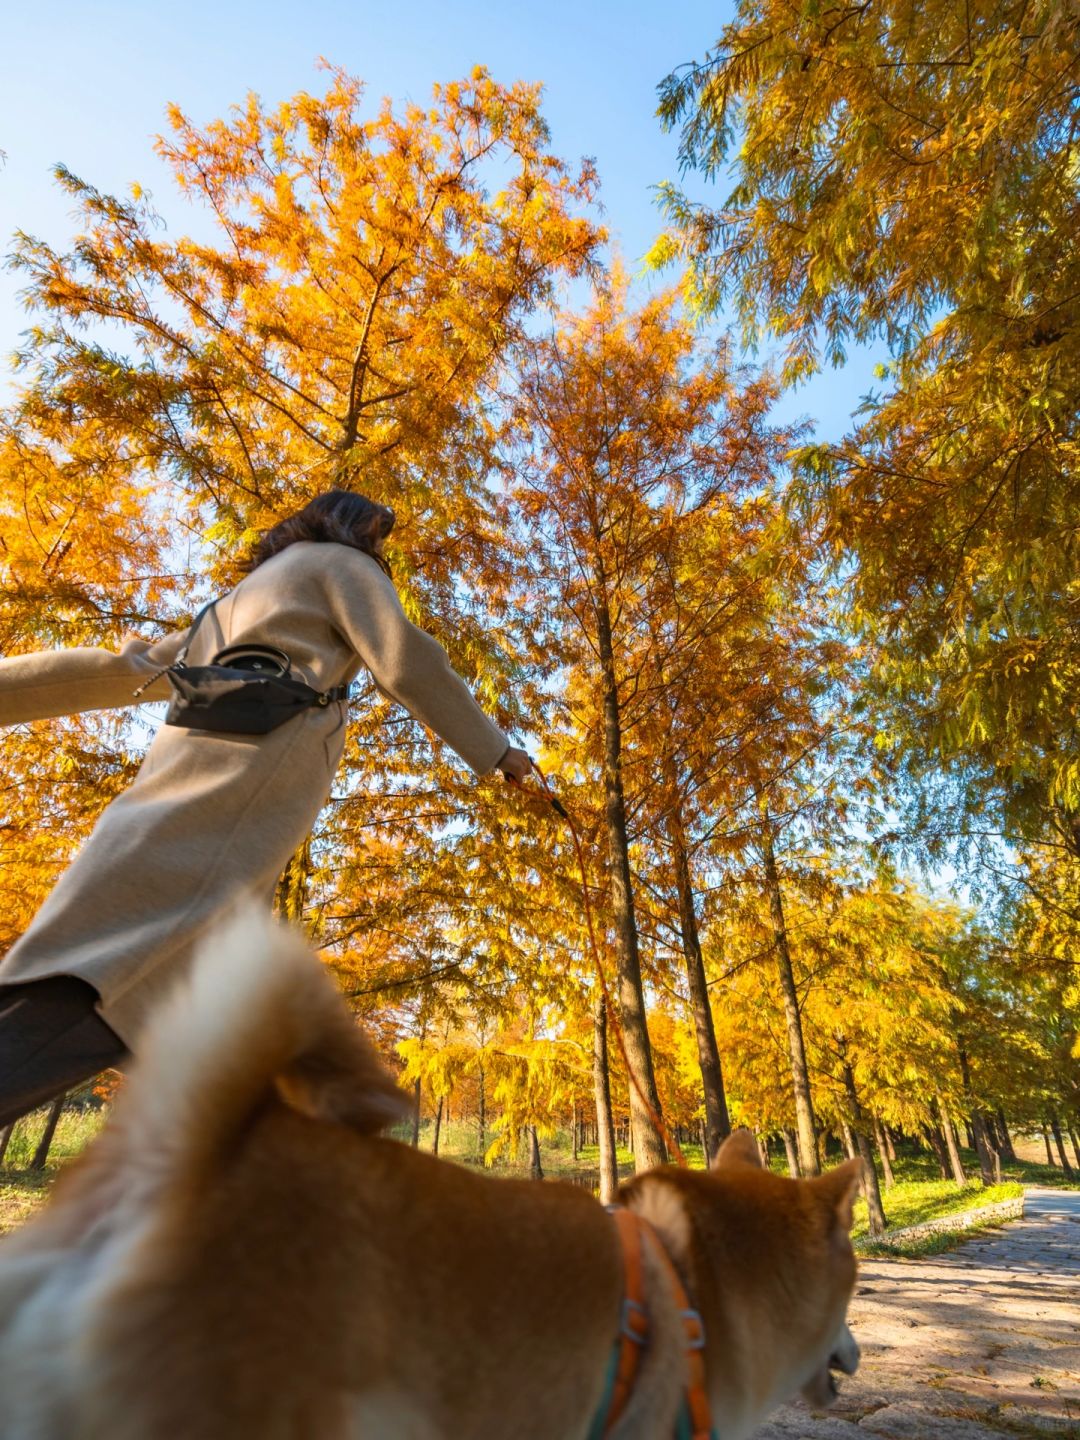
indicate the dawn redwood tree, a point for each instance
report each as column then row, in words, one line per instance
column 342, row 320
column 908, row 174
column 620, row 440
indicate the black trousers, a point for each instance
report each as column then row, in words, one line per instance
column 51, row 1040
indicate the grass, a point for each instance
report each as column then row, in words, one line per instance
column 23, row 1190
column 917, row 1201
column 919, row 1195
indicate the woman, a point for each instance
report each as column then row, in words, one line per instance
column 210, row 816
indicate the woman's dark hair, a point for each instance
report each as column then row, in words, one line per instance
column 340, row 516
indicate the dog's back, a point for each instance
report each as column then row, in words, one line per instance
column 116, row 1316
column 240, row 1256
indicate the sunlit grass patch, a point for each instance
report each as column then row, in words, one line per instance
column 915, row 1202
column 22, row 1190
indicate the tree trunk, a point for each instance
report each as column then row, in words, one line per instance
column 41, row 1154
column 5, row 1140
column 847, row 1135
column 1046, row 1142
column 416, row 1115
column 717, row 1121
column 870, row 1187
column 536, row 1170
column 1072, row 1136
column 989, row 1160
column 1055, row 1126
column 800, row 1075
column 1007, row 1148
column 574, row 1133
column 605, row 1124
column 992, row 1132
column 438, row 1127
column 883, row 1151
column 956, row 1165
column 644, row 1098
column 481, row 1112
column 890, row 1144
column 937, row 1144
column 792, row 1154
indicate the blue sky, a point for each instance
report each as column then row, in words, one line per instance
column 87, row 84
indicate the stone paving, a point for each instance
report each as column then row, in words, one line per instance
column 979, row 1343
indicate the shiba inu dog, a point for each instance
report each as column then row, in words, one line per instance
column 241, row 1256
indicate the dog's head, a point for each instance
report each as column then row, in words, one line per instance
column 771, row 1267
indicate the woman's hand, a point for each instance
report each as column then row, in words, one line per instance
column 515, row 765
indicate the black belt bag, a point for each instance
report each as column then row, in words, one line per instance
column 245, row 690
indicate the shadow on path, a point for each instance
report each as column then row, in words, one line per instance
column 978, row 1343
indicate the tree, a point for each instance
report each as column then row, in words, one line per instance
column 345, row 323
column 909, row 174
column 621, row 440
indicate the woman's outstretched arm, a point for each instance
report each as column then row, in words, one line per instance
column 407, row 664
column 66, row 682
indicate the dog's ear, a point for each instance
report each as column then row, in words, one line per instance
column 837, row 1188
column 344, row 1081
column 740, row 1148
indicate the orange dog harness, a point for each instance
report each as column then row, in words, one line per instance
column 694, row 1421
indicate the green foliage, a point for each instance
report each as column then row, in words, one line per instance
column 911, row 174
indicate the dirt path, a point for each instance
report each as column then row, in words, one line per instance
column 980, row 1343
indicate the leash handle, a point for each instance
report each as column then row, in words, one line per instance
column 609, row 1005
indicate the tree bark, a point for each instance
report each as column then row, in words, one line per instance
column 481, row 1112
column 792, row 1154
column 717, row 1120
column 800, row 1074
column 416, row 1115
column 870, row 1187
column 937, row 1143
column 605, row 1125
column 1072, row 1136
column 847, row 1135
column 883, row 1151
column 1007, row 1147
column 890, row 1144
column 536, row 1170
column 956, row 1165
column 1055, row 1127
column 438, row 1127
column 5, row 1140
column 41, row 1154
column 989, row 1160
column 1046, row 1142
column 644, row 1098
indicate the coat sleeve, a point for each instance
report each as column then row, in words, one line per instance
column 407, row 664
column 66, row 682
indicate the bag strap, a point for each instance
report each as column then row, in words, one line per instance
column 191, row 633
column 181, row 657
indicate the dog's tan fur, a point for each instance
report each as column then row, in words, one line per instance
column 241, row 1257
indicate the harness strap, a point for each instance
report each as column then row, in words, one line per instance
column 695, row 1420
column 697, row 1397
column 633, row 1320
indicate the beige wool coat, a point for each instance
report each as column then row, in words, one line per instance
column 212, row 817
